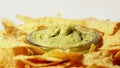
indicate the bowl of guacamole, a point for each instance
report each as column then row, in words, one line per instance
column 64, row 36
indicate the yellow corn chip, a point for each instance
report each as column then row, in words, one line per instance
column 92, row 48
column 111, row 40
column 29, row 24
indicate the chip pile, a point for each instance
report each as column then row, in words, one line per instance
column 17, row 52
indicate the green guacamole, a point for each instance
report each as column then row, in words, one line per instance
column 62, row 36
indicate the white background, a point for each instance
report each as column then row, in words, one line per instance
column 101, row 9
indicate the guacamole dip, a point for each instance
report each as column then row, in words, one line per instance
column 62, row 36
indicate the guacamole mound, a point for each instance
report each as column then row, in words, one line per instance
column 62, row 36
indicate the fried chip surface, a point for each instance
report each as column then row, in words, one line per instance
column 17, row 52
column 111, row 40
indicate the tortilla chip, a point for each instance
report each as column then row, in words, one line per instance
column 60, row 54
column 57, row 53
column 36, row 61
column 11, row 42
column 102, row 26
column 37, row 50
column 24, row 19
column 100, row 58
column 16, row 52
column 116, row 58
column 55, row 57
column 1, row 34
column 29, row 24
column 92, row 48
column 7, row 54
column 89, row 22
column 12, row 31
column 117, row 55
column 49, row 21
column 116, row 28
column 9, row 21
column 111, row 40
